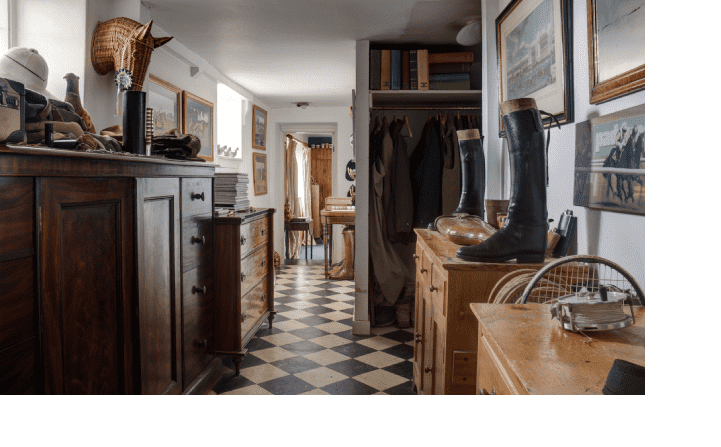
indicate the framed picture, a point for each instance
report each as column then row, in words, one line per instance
column 260, row 118
column 616, row 48
column 164, row 99
column 260, row 174
column 610, row 170
column 198, row 121
column 535, row 56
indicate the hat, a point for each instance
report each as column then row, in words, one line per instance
column 350, row 170
column 27, row 66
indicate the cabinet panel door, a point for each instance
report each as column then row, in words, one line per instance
column 428, row 347
column 158, row 205
column 87, row 258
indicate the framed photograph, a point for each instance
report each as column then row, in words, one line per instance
column 616, row 48
column 535, row 56
column 610, row 171
column 164, row 99
column 260, row 174
column 198, row 121
column 260, row 118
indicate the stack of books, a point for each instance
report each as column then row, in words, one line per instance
column 420, row 70
column 231, row 191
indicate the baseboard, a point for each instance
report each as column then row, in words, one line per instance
column 361, row 327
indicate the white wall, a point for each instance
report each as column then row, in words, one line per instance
column 615, row 236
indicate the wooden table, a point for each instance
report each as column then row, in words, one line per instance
column 333, row 217
column 521, row 350
column 298, row 225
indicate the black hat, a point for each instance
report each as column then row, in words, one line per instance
column 350, row 171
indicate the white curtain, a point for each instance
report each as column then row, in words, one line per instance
column 297, row 190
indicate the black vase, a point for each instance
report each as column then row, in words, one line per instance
column 134, row 122
column 473, row 173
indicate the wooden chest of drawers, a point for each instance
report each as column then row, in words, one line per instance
column 244, row 280
column 444, row 356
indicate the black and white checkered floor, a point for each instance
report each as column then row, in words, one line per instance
column 311, row 348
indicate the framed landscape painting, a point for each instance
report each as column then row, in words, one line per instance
column 260, row 174
column 616, row 48
column 198, row 121
column 164, row 99
column 535, row 56
column 260, row 118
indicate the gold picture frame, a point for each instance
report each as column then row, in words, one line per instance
column 260, row 174
column 260, row 127
column 610, row 78
column 165, row 100
column 198, row 120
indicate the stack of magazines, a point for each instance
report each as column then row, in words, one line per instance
column 231, row 191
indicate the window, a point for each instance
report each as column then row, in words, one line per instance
column 230, row 118
column 4, row 25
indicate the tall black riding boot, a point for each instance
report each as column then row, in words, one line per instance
column 524, row 236
column 473, row 173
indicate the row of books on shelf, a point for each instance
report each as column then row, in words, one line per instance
column 420, row 70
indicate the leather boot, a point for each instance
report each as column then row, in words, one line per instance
column 524, row 236
column 346, row 270
column 473, row 173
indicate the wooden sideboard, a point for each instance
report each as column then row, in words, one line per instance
column 101, row 266
column 521, row 350
column 446, row 334
column 245, row 280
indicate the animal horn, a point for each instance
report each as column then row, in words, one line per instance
column 160, row 41
column 144, row 31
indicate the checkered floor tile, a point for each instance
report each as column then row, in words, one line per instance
column 312, row 350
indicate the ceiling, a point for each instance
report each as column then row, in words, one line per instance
column 303, row 50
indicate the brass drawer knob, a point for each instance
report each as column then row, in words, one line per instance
column 419, row 338
column 262, row 231
column 262, row 298
column 242, row 277
column 262, row 263
column 198, row 240
column 197, row 289
column 484, row 392
column 433, row 288
column 200, row 196
column 242, row 318
column 242, row 240
column 416, row 257
column 427, row 369
column 424, row 270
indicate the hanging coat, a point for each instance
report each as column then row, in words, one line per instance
column 428, row 177
column 451, row 188
column 399, row 211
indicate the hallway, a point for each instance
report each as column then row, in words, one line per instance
column 311, row 348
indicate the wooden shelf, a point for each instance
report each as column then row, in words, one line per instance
column 426, row 98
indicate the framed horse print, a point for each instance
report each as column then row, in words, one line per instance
column 535, row 56
column 260, row 118
column 198, row 120
column 164, row 99
column 260, row 174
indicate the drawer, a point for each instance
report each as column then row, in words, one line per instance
column 424, row 267
column 16, row 214
column 197, row 311
column 253, row 235
column 197, row 196
column 252, row 269
column 17, row 302
column 197, row 237
column 490, row 377
column 252, row 307
column 17, row 366
column 438, row 290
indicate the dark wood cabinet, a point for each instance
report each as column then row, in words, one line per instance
column 106, row 274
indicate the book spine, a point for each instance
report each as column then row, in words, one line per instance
column 450, row 85
column 406, row 70
column 449, row 68
column 385, row 69
column 375, row 70
column 395, row 69
column 423, row 70
column 448, row 58
column 450, row 77
column 414, row 69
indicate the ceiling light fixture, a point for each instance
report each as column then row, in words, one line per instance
column 302, row 105
column 470, row 34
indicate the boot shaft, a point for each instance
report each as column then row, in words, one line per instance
column 473, row 173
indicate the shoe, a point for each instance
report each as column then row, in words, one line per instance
column 385, row 316
column 524, row 236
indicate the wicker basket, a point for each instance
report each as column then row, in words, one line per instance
column 124, row 43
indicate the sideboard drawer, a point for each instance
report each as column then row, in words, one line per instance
column 197, row 237
column 252, row 268
column 17, row 303
column 197, row 321
column 252, row 307
column 197, row 196
column 490, row 374
column 16, row 214
column 253, row 235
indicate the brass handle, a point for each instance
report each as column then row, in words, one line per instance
column 242, row 240
column 202, row 343
column 416, row 257
column 200, row 196
column 262, row 263
column 262, row 231
column 197, row 289
column 433, row 288
column 262, row 298
column 242, row 277
column 424, row 270
column 427, row 369
column 198, row 240
column 483, row 392
column 419, row 338
column 242, row 318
